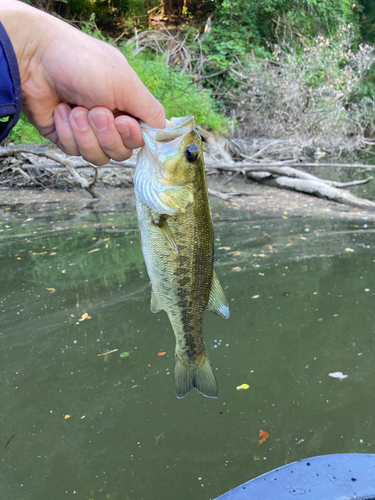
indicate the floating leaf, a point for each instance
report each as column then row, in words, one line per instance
column 255, row 296
column 237, row 269
column 84, row 316
column 263, row 435
column 242, row 387
column 83, row 416
column 161, row 353
column 124, row 354
column 53, row 253
column 95, row 250
column 338, row 375
column 349, row 250
column 67, row 416
column 51, row 290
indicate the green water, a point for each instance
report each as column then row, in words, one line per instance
column 302, row 306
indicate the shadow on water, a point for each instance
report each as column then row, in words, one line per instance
column 301, row 292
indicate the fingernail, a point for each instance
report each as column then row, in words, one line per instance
column 99, row 119
column 124, row 129
column 81, row 120
column 63, row 113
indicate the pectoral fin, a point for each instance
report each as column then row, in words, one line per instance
column 155, row 304
column 178, row 198
column 167, row 234
column 218, row 302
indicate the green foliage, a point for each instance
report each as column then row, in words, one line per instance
column 25, row 133
column 177, row 91
column 241, row 27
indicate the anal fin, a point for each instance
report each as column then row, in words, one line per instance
column 155, row 304
column 217, row 302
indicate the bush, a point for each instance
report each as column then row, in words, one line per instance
column 177, row 91
column 315, row 91
column 25, row 133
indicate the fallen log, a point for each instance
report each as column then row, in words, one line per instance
column 316, row 188
column 279, row 174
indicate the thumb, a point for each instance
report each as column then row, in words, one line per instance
column 140, row 103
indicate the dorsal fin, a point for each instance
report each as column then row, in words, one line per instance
column 218, row 302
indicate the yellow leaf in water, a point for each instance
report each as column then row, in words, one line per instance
column 236, row 253
column 63, row 271
column 285, row 217
column 95, row 250
column 242, row 387
column 51, row 290
column 288, row 244
column 84, row 316
column 67, row 416
column 262, row 255
column 349, row 250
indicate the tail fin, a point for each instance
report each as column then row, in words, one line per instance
column 198, row 375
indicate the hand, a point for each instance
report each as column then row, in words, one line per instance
column 62, row 67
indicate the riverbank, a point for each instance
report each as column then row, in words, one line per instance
column 249, row 196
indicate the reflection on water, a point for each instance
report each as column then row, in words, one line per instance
column 301, row 292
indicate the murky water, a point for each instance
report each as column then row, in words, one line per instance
column 77, row 424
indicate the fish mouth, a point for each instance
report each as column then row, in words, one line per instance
column 150, row 182
column 176, row 127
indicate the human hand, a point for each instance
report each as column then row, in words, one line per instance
column 78, row 92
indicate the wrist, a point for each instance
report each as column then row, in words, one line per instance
column 25, row 27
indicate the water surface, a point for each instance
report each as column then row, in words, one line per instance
column 79, row 424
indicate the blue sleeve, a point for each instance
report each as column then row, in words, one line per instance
column 10, row 85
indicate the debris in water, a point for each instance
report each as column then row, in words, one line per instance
column 242, row 387
column 263, row 435
column 51, row 290
column 161, row 353
column 124, row 354
column 338, row 375
column 66, row 416
column 237, row 269
column 108, row 352
column 84, row 316
column 349, row 250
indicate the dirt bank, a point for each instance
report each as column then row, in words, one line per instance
column 250, row 196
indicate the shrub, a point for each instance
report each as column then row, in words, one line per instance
column 25, row 133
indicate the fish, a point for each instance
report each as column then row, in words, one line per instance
column 177, row 240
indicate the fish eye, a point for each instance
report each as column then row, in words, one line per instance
column 192, row 152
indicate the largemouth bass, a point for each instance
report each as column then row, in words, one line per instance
column 177, row 236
